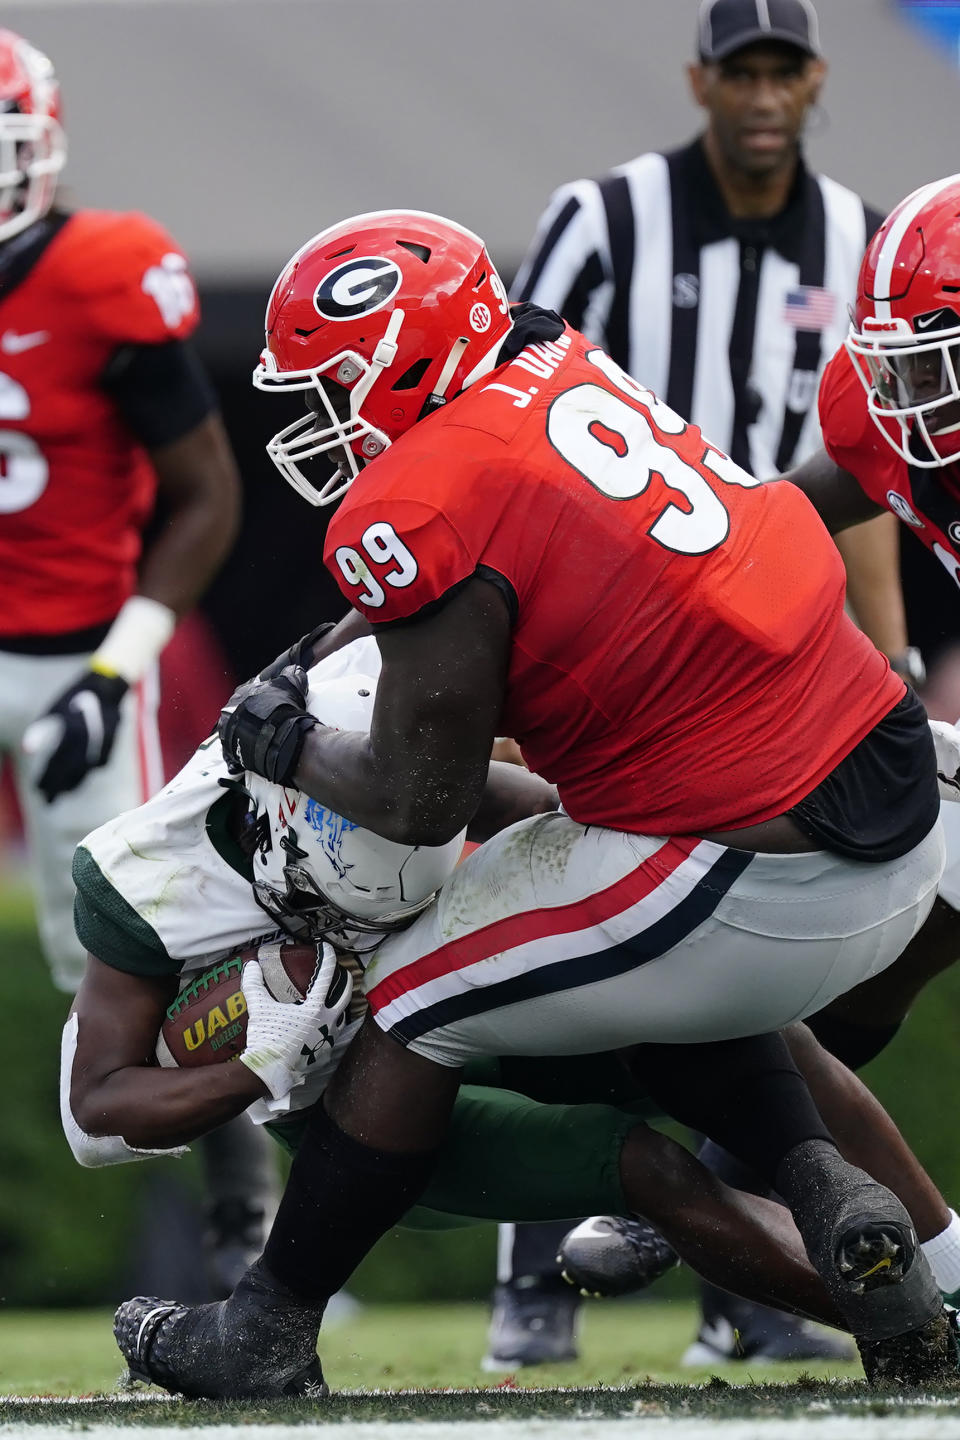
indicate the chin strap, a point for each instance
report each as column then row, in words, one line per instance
column 438, row 396
column 528, row 323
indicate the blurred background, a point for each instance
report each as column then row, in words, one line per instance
column 246, row 126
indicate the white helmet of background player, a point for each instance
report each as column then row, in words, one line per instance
column 319, row 875
column 33, row 147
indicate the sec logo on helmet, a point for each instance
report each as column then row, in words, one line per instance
column 480, row 318
column 357, row 287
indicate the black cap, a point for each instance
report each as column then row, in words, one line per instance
column 729, row 25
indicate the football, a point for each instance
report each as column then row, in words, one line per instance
column 207, row 1022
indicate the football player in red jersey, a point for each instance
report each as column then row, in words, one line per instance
column 890, row 417
column 749, row 823
column 105, row 412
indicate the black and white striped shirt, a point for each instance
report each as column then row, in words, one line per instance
column 730, row 321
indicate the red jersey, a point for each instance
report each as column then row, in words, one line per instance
column 76, row 486
column 681, row 660
column 926, row 500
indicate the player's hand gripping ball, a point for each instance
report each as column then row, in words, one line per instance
column 207, row 1022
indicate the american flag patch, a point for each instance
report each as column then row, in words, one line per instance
column 808, row 307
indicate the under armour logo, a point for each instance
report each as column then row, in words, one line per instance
column 309, row 1053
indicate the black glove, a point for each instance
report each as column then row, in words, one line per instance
column 81, row 725
column 264, row 724
column 300, row 653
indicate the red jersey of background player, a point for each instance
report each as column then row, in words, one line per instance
column 76, row 486
column 926, row 500
column 681, row 660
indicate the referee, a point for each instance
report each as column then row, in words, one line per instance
column 719, row 275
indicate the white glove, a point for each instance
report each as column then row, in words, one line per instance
column 283, row 1040
column 946, row 742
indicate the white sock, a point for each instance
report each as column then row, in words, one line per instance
column 943, row 1256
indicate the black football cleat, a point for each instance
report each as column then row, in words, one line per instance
column 861, row 1241
column 613, row 1255
column 874, row 1269
column 260, row 1343
column 924, row 1358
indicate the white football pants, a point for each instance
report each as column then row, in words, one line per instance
column 28, row 686
column 556, row 938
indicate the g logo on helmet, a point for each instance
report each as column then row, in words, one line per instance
column 357, row 287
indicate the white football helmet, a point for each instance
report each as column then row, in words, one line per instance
column 318, row 875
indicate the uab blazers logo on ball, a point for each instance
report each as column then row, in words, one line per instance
column 357, row 287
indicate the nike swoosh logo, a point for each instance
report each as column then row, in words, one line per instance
column 924, row 322
column 11, row 343
column 880, row 1265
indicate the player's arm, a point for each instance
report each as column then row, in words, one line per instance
column 164, row 396
column 352, row 627
column 112, row 1088
column 871, row 557
column 835, row 494
column 510, row 794
column 419, row 776
column 326, row 639
column 198, row 498
column 868, row 540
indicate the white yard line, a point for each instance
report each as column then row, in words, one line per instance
column 941, row 1423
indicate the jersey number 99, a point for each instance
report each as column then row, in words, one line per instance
column 612, row 445
column 382, row 546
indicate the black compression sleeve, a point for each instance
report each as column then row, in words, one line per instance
column 162, row 391
column 747, row 1095
column 340, row 1198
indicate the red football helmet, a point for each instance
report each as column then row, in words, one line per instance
column 904, row 337
column 383, row 318
column 33, row 147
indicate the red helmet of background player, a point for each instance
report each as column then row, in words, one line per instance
column 381, row 319
column 904, row 337
column 33, row 147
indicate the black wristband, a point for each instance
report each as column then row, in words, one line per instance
column 264, row 724
column 281, row 754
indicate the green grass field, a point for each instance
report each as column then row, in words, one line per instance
column 66, row 1237
column 72, row 1352
column 421, row 1363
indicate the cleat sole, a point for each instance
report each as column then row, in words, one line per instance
column 924, row 1358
